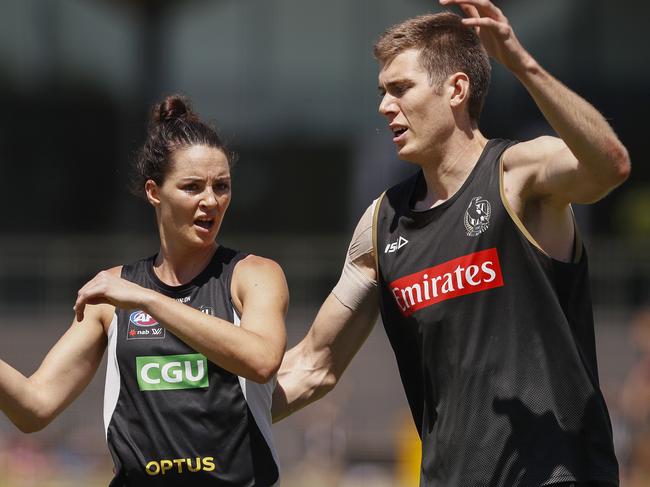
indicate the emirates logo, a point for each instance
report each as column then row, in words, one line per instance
column 463, row 275
column 477, row 216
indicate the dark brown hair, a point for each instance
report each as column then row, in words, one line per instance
column 446, row 47
column 173, row 126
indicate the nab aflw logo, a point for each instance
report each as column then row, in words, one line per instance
column 477, row 216
column 395, row 246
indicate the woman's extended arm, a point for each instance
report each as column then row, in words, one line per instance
column 31, row 403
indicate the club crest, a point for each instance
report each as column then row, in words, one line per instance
column 477, row 216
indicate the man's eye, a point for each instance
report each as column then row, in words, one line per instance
column 222, row 186
column 191, row 187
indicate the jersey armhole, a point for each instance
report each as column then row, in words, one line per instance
column 577, row 239
column 375, row 219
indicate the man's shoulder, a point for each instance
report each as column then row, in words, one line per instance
column 531, row 151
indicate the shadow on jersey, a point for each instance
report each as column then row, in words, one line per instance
column 525, row 460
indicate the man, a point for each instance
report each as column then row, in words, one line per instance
column 477, row 267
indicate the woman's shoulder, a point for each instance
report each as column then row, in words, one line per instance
column 251, row 263
column 115, row 271
column 259, row 279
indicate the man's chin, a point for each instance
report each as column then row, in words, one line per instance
column 406, row 155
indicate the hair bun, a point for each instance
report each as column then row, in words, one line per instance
column 174, row 107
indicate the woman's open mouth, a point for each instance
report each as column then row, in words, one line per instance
column 204, row 224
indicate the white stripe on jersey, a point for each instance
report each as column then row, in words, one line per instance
column 112, row 387
column 259, row 398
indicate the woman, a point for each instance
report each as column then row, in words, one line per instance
column 195, row 334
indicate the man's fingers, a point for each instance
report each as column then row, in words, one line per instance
column 79, row 311
column 500, row 27
column 469, row 10
column 482, row 7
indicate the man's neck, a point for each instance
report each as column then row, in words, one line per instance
column 446, row 172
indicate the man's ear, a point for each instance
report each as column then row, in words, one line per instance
column 153, row 192
column 458, row 84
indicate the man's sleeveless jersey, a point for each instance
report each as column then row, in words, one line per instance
column 494, row 340
column 173, row 417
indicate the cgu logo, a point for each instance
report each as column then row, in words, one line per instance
column 172, row 372
column 140, row 318
column 180, row 465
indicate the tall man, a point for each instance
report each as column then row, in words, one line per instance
column 477, row 267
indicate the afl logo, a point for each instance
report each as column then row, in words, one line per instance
column 140, row 318
column 477, row 216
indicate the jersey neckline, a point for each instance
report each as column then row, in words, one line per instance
column 418, row 181
column 183, row 289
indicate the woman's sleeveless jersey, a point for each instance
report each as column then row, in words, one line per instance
column 172, row 417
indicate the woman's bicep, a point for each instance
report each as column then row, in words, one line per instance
column 261, row 290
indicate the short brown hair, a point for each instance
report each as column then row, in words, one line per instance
column 446, row 47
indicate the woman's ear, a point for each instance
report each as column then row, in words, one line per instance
column 152, row 191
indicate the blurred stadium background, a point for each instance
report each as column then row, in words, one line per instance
column 292, row 85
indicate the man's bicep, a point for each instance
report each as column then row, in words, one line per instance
column 548, row 169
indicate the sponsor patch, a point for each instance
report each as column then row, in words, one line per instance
column 468, row 274
column 169, row 372
column 143, row 326
column 180, row 466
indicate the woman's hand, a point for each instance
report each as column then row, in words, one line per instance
column 108, row 287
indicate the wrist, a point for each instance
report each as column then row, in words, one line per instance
column 527, row 68
column 147, row 301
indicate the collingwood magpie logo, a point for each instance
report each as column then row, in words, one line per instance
column 477, row 216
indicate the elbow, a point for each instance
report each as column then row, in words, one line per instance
column 262, row 376
column 34, row 427
column 621, row 163
column 266, row 371
column 33, row 424
column 34, row 415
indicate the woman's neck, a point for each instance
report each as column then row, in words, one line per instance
column 176, row 267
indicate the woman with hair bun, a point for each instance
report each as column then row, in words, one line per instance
column 195, row 333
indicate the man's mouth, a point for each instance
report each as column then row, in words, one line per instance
column 398, row 132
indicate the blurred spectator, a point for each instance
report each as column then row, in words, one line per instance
column 635, row 406
column 635, row 394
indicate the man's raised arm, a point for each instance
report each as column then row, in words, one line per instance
column 590, row 160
